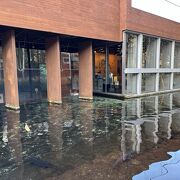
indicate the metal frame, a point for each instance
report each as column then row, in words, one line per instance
column 139, row 70
column 139, row 63
column 124, row 49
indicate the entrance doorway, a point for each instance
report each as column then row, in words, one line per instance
column 108, row 68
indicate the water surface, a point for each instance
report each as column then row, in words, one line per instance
column 103, row 139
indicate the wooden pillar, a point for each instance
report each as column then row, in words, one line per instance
column 86, row 70
column 53, row 70
column 10, row 70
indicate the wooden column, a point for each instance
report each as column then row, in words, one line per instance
column 53, row 70
column 86, row 70
column 10, row 70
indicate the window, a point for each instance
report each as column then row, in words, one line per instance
column 131, row 83
column 149, row 52
column 176, row 81
column 65, row 57
column 164, row 81
column 152, row 69
column 148, row 82
column 177, row 56
column 132, row 50
column 165, row 54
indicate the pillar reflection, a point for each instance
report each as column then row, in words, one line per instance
column 55, row 122
column 14, row 141
column 147, row 122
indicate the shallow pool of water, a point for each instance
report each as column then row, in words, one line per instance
column 103, row 139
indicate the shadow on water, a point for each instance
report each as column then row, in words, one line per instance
column 90, row 138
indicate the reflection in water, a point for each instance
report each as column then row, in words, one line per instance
column 64, row 137
column 155, row 123
column 13, row 144
column 55, row 123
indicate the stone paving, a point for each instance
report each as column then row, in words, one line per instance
column 164, row 170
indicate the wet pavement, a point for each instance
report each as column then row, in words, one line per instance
column 163, row 170
column 103, row 139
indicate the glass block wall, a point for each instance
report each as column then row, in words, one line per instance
column 152, row 64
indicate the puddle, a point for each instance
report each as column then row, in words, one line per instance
column 103, row 139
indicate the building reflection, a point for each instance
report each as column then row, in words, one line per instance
column 157, row 120
column 64, row 136
column 14, row 143
column 55, row 122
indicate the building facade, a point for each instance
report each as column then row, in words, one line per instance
column 49, row 49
